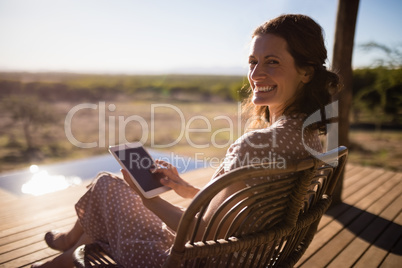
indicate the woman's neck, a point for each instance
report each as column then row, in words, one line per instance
column 274, row 114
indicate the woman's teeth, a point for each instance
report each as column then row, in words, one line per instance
column 265, row 89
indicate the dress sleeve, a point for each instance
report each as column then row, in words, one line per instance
column 247, row 150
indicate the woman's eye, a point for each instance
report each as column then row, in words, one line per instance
column 252, row 62
column 272, row 62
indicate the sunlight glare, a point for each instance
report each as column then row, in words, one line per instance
column 33, row 168
column 42, row 183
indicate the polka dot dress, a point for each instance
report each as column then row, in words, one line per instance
column 113, row 215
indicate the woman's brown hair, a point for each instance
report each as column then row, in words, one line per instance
column 305, row 43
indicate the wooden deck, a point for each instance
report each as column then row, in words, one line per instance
column 364, row 231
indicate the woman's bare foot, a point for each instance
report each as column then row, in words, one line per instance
column 64, row 241
column 65, row 260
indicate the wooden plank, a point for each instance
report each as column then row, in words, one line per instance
column 30, row 257
column 366, row 177
column 329, row 250
column 351, row 169
column 23, row 228
column 46, row 218
column 353, row 174
column 387, row 197
column 335, row 212
column 394, row 258
column 36, row 208
column 360, row 177
column 199, row 177
column 21, row 243
column 61, row 224
column 335, row 227
column 331, row 240
column 366, row 232
column 377, row 253
column 34, row 247
column 359, row 197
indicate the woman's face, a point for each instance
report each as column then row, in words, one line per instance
column 273, row 75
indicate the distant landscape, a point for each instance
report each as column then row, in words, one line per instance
column 198, row 114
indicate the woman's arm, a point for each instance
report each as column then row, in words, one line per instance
column 167, row 212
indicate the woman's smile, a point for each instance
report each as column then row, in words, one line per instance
column 263, row 88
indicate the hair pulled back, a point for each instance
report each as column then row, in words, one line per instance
column 305, row 43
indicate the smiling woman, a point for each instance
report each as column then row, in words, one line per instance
column 287, row 86
column 287, row 71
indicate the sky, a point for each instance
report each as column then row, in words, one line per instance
column 166, row 36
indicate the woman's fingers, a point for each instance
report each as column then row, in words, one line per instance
column 166, row 165
column 173, row 180
column 170, row 175
column 168, row 182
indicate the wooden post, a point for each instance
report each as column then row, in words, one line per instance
column 342, row 64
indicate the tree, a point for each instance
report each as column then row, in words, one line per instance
column 30, row 112
column 383, row 96
column 392, row 56
column 378, row 92
column 342, row 63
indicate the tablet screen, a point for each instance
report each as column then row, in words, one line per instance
column 138, row 162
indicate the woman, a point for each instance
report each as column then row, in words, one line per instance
column 288, row 81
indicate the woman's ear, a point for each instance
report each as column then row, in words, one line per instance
column 308, row 74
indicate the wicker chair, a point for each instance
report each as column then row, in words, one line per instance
column 271, row 226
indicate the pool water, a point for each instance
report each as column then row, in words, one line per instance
column 39, row 180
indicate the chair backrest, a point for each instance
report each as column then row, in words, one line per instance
column 274, row 219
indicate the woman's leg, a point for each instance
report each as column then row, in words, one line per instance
column 64, row 241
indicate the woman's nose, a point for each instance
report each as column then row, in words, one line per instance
column 258, row 73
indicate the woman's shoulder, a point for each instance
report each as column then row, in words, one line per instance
column 286, row 128
column 290, row 124
column 283, row 140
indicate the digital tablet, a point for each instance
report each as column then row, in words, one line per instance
column 136, row 160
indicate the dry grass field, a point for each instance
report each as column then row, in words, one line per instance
column 194, row 129
column 377, row 149
column 202, row 130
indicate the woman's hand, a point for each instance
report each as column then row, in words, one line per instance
column 173, row 180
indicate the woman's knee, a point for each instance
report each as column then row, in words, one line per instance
column 106, row 178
